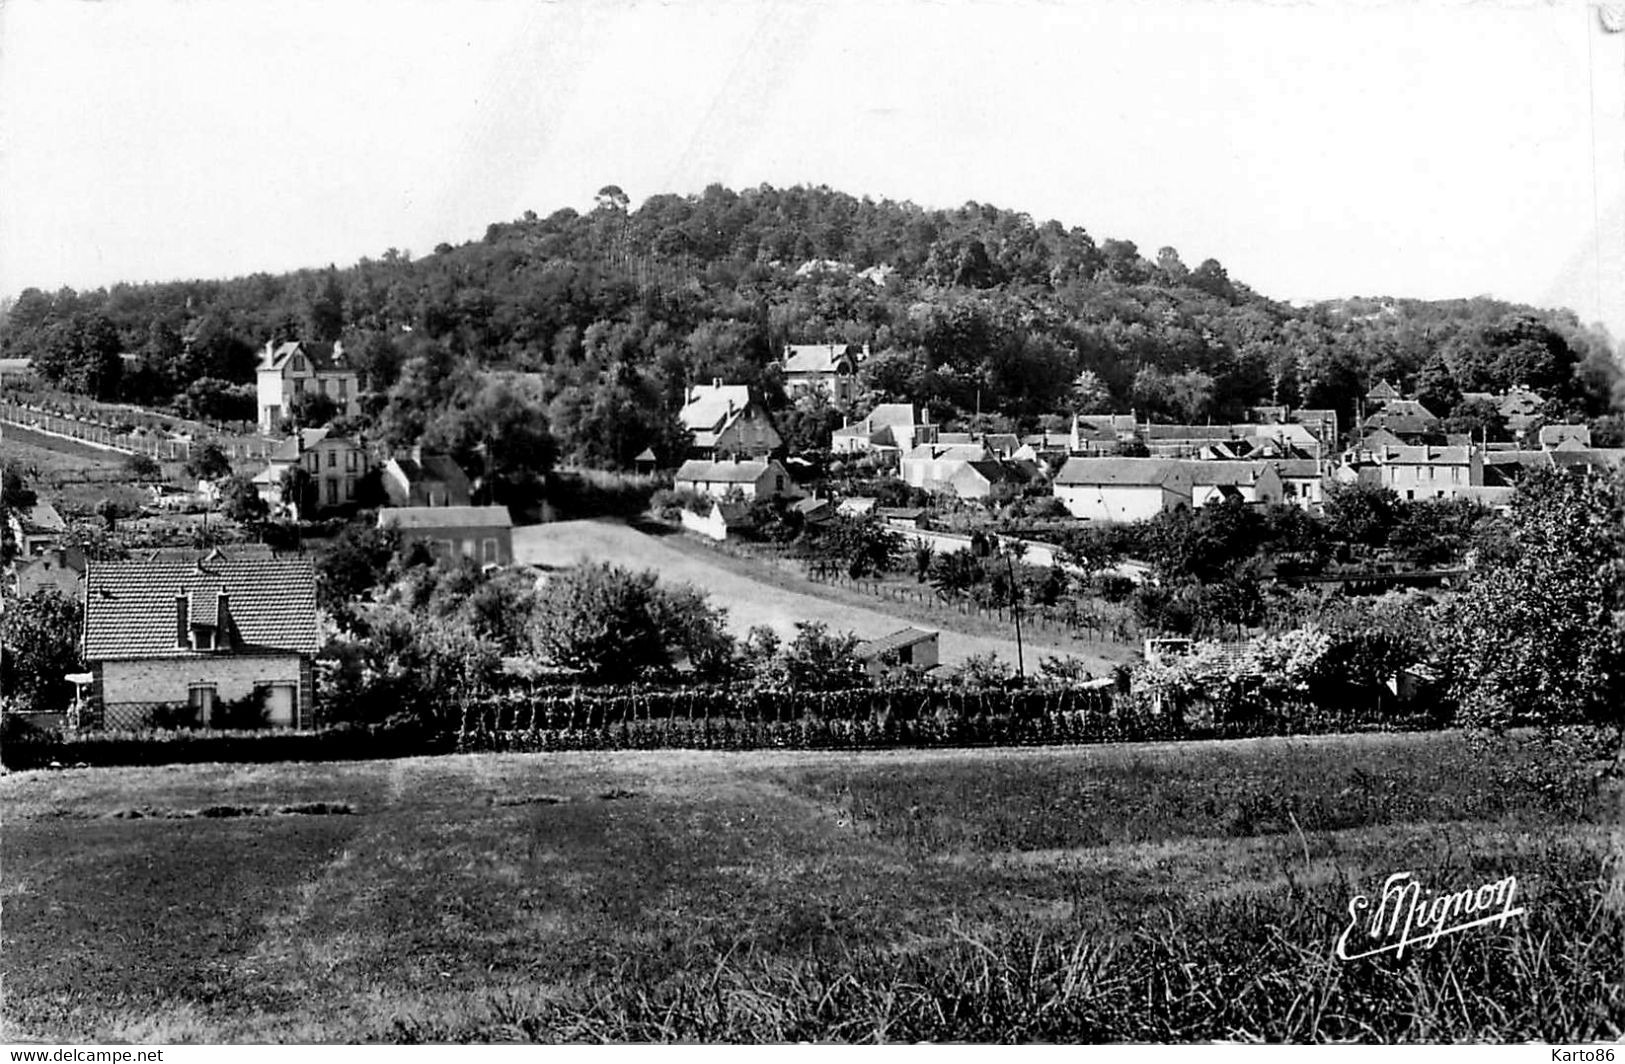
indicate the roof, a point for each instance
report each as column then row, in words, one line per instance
column 432, row 468
column 1001, row 441
column 1551, row 435
column 323, row 358
column 130, row 607
column 817, row 358
column 808, row 506
column 995, row 472
column 41, row 518
column 418, row 517
column 721, row 472
column 291, row 448
column 856, row 504
column 709, row 405
column 645, row 455
column 903, row 637
column 1221, row 473
column 1425, row 455
column 1124, row 472
column 1383, row 390
column 891, row 414
column 1594, row 458
column 1297, row 468
column 936, row 452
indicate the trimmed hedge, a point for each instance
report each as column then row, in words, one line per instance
column 99, row 749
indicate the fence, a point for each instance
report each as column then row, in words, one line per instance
column 95, row 434
column 1084, row 627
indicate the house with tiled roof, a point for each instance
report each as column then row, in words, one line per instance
column 62, row 568
column 177, row 640
column 483, row 534
column 1101, row 434
column 830, row 369
column 724, row 421
column 1122, row 489
column 1382, row 392
column 991, row 478
column 753, row 479
column 1303, row 481
column 1428, row 472
column 1521, row 408
column 932, row 466
column 287, row 371
column 419, row 479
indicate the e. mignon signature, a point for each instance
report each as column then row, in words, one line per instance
column 1408, row 914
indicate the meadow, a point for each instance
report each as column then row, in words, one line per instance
column 1130, row 892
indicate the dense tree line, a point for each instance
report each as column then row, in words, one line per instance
column 610, row 314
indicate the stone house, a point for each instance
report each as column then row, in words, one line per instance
column 827, row 369
column 724, row 421
column 335, row 463
column 422, row 479
column 753, row 479
column 1122, row 489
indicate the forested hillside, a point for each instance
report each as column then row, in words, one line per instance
column 610, row 314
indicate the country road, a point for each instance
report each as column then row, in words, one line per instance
column 748, row 602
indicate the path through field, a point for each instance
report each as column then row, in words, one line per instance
column 748, row 601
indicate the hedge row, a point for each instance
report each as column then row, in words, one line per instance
column 100, row 749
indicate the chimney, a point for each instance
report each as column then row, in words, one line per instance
column 180, row 619
column 716, row 382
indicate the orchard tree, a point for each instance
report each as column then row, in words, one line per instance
column 601, row 618
column 41, row 646
column 1539, row 635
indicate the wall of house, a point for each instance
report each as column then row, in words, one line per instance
column 234, row 676
column 752, row 434
column 484, row 545
column 711, row 526
column 1430, row 481
column 1110, row 502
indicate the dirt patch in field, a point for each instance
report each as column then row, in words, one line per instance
column 222, row 812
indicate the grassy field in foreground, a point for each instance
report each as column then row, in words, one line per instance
column 1148, row 892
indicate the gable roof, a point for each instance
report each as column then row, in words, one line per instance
column 1425, row 455
column 903, row 637
column 1552, row 435
column 1119, row 472
column 818, row 358
column 40, row 518
column 901, row 414
column 130, row 606
column 996, row 472
column 954, row 452
column 1600, row 458
column 323, row 357
column 1222, row 473
column 421, row 517
column 1383, row 390
column 1297, row 468
column 304, row 440
column 433, row 469
column 699, row 470
column 710, row 406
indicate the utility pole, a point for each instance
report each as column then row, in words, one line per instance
column 1015, row 612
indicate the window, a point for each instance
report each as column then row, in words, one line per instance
column 778, row 483
column 488, row 552
column 313, row 461
column 332, row 491
column 344, row 387
column 332, row 459
column 468, row 548
column 299, row 386
column 349, row 489
column 299, row 363
column 203, row 639
column 349, row 461
column 201, row 696
column 905, row 655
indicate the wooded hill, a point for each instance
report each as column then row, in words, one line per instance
column 611, row 313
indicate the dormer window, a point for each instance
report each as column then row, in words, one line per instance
column 202, row 638
column 299, row 363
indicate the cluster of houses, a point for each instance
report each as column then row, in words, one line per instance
column 1116, row 467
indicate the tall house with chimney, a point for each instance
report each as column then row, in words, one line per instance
column 288, row 370
column 830, row 369
column 726, row 422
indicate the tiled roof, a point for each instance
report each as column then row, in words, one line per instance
column 1552, row 435
column 904, row 637
column 1425, row 455
column 1144, row 472
column 131, row 609
column 432, row 517
column 291, row 448
column 1297, row 468
column 721, row 472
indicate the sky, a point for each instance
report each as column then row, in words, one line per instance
column 1317, row 149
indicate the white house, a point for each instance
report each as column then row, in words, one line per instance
column 933, row 465
column 888, row 427
column 1249, row 482
column 1122, row 489
column 750, row 479
column 287, row 371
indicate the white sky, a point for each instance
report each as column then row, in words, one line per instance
column 1429, row 149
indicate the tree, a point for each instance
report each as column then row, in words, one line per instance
column 240, row 501
column 41, row 646
column 208, row 462
column 601, row 618
column 311, row 410
column 1090, row 394
column 816, row 660
column 298, row 490
column 143, row 467
column 1540, row 635
column 1360, row 513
